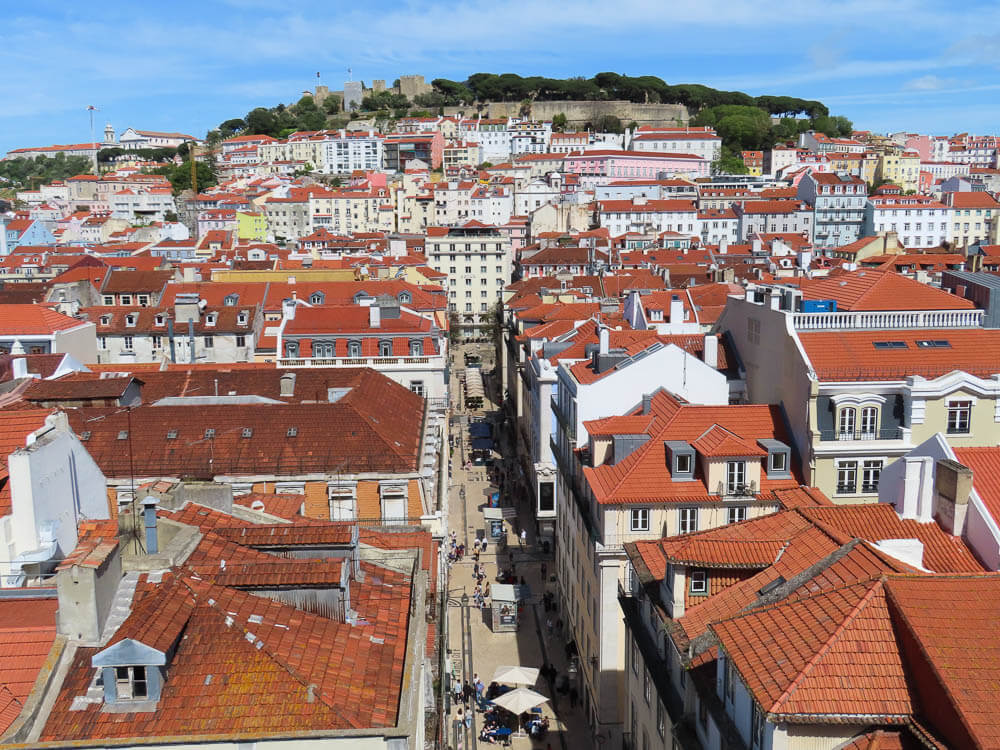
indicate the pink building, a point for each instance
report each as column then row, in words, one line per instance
column 597, row 166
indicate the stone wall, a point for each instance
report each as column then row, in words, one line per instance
column 579, row 113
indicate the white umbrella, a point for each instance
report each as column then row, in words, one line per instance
column 516, row 675
column 519, row 700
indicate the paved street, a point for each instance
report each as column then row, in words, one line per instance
column 531, row 645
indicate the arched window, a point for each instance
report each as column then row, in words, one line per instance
column 231, row 300
column 404, row 297
column 323, row 349
column 385, row 348
column 869, row 421
column 291, row 348
column 316, row 298
column 846, row 422
column 353, row 348
column 416, row 348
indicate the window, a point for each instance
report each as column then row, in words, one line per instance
column 959, row 417
column 385, row 348
column 687, row 520
column 323, row 349
column 353, row 348
column 416, row 348
column 639, row 520
column 847, row 477
column 845, row 423
column 661, row 725
column 127, row 344
column 870, row 471
column 343, row 505
column 126, row 299
column 684, row 463
column 646, row 689
column 634, row 653
column 728, row 688
column 417, row 386
column 157, row 342
column 736, row 513
column 869, row 422
column 209, row 342
column 241, row 341
column 130, row 683
column 143, row 300
column 699, row 582
column 109, row 300
column 736, row 474
column 316, row 298
column 757, row 741
column 779, row 462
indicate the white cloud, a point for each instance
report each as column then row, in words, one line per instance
column 930, row 83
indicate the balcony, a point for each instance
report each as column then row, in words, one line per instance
column 891, row 433
column 376, row 363
column 887, row 320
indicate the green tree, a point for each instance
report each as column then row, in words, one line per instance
column 232, row 127
column 180, row 176
column 729, row 163
column 261, row 121
column 559, row 122
column 608, row 124
column 331, row 105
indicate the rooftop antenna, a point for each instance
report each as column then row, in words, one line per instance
column 349, row 72
column 93, row 142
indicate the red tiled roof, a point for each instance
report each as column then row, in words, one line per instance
column 33, row 320
column 851, row 355
column 831, row 653
column 96, row 540
column 718, row 442
column 871, row 290
column 985, row 465
column 27, row 631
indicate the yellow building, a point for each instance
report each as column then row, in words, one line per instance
column 251, row 226
column 901, row 169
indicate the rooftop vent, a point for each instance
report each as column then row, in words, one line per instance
column 210, row 433
column 247, row 432
column 769, row 587
column 123, row 435
column 171, row 434
column 292, row 431
column 85, row 435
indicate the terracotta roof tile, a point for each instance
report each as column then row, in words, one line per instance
column 871, row 290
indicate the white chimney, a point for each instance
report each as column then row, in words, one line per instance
column 374, row 316
column 20, row 368
column 723, row 246
column 603, row 339
column 711, row 351
column 676, row 310
column 756, row 245
column 288, row 309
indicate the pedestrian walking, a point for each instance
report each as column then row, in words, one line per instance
column 467, row 692
column 544, row 571
column 468, row 721
column 524, row 538
column 456, row 690
column 548, row 624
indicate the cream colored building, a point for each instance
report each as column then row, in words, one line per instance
column 863, row 388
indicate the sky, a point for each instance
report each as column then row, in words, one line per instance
column 888, row 65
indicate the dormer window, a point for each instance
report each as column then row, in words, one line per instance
column 416, row 348
column 736, row 477
column 680, row 460
column 126, row 299
column 778, row 459
column 161, row 319
column 242, row 319
column 105, row 320
column 385, row 348
column 316, row 298
column 231, row 300
column 404, row 297
column 353, row 348
column 130, row 320
column 210, row 319
column 131, row 684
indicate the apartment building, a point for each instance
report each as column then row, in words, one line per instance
column 478, row 261
column 838, row 201
column 646, row 216
column 918, row 221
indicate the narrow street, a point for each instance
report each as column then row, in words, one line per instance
column 474, row 648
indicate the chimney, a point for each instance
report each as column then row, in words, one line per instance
column 711, row 351
column 952, row 484
column 149, row 521
column 604, row 339
column 20, row 368
column 374, row 316
column 724, row 246
column 756, row 246
column 288, row 309
column 676, row 310
column 647, row 403
column 287, row 385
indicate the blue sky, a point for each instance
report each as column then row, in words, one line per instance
column 185, row 66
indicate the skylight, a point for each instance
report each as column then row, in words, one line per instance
column 210, row 432
column 123, row 435
column 171, row 434
column 890, row 344
column 934, row 344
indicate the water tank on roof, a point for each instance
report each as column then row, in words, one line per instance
column 819, row 305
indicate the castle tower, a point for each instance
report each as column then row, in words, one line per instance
column 109, row 134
